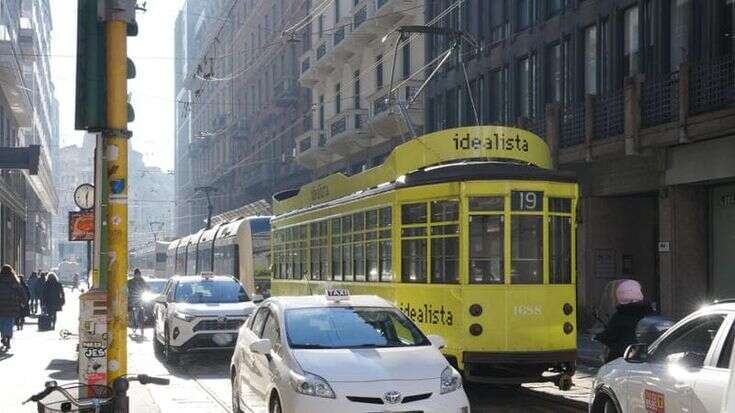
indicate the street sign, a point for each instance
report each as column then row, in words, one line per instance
column 84, row 196
column 81, row 225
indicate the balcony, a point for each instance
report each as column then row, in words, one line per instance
column 311, row 150
column 399, row 8
column 324, row 58
column 375, row 18
column 386, row 118
column 309, row 76
column 343, row 43
column 347, row 134
column 286, row 91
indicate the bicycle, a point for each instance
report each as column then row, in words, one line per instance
column 80, row 397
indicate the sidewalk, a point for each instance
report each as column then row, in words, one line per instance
column 578, row 395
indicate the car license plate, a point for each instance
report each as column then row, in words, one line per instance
column 222, row 339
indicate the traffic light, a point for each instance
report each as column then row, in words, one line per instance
column 90, row 81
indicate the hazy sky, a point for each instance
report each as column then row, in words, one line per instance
column 152, row 90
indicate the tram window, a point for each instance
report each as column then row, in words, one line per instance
column 371, row 219
column 413, row 257
column 486, row 249
column 526, row 249
column 336, row 259
column 347, row 262
column 413, row 232
column 560, row 205
column 560, row 250
column 443, row 211
column 386, row 261
column 358, row 221
column 386, row 217
column 413, row 214
column 451, row 229
column 346, row 224
column 487, row 203
column 371, row 258
column 358, row 255
column 445, row 260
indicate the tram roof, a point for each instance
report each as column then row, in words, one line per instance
column 494, row 143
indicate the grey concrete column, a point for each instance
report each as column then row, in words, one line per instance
column 589, row 125
column 683, row 102
column 632, row 114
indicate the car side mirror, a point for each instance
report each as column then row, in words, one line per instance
column 636, row 353
column 262, row 347
column 257, row 298
column 437, row 341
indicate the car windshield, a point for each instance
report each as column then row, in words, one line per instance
column 350, row 327
column 156, row 287
column 210, row 291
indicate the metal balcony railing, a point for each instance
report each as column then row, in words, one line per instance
column 305, row 65
column 339, row 35
column 609, row 115
column 305, row 144
column 321, row 51
column 538, row 125
column 660, row 100
column 712, row 84
column 572, row 125
column 338, row 126
column 359, row 17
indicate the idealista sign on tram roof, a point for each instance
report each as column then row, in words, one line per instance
column 475, row 142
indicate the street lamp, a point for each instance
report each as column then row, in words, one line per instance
column 156, row 227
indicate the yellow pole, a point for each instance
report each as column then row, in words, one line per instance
column 116, row 219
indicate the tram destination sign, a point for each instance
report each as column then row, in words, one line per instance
column 527, row 201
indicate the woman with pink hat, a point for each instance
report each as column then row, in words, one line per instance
column 620, row 330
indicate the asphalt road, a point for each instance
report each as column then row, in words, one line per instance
column 201, row 383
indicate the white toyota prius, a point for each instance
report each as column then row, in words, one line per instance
column 336, row 353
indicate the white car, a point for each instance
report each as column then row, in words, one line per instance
column 357, row 354
column 685, row 370
column 199, row 313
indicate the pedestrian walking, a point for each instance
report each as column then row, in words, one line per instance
column 53, row 299
column 40, row 285
column 25, row 306
column 12, row 296
column 620, row 330
column 32, row 282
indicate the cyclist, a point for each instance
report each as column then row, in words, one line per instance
column 136, row 287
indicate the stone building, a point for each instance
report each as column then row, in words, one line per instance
column 637, row 97
column 239, row 107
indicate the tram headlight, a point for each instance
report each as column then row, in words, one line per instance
column 475, row 310
column 450, row 380
column 568, row 309
column 475, row 329
column 568, row 328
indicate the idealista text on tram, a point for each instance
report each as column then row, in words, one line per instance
column 427, row 314
column 495, row 142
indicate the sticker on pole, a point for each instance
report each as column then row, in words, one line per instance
column 117, row 186
column 338, row 294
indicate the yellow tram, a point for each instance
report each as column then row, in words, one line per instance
column 469, row 231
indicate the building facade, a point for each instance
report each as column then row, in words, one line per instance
column 638, row 98
column 347, row 63
column 28, row 116
column 239, row 107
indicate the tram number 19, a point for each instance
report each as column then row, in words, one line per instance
column 527, row 200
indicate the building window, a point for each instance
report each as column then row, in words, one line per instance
column 554, row 73
column 554, row 7
column 356, row 90
column 337, row 13
column 499, row 96
column 321, row 112
column 337, row 98
column 728, row 26
column 590, row 60
column 451, row 108
column 525, row 10
column 406, row 59
column 631, row 42
column 320, row 26
column 379, row 72
column 526, row 83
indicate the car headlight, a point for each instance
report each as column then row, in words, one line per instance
column 450, row 380
column 311, row 385
column 183, row 316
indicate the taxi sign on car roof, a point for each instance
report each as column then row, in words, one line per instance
column 337, row 294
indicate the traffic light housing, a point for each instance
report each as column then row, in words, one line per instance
column 90, row 81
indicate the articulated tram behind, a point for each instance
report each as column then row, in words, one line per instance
column 469, row 231
column 240, row 248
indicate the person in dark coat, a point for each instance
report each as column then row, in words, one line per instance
column 53, row 299
column 40, row 285
column 21, row 320
column 12, row 296
column 620, row 330
column 32, row 282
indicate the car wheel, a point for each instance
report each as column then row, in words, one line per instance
column 157, row 346
column 609, row 407
column 276, row 404
column 235, row 393
column 172, row 358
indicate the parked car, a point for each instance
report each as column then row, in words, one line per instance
column 686, row 369
column 199, row 313
column 340, row 354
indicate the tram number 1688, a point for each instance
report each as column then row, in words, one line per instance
column 527, row 200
